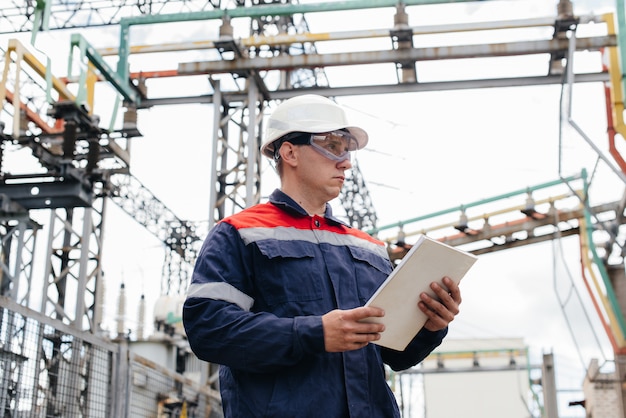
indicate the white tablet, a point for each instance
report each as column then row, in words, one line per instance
column 427, row 261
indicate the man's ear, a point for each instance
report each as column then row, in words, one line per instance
column 288, row 153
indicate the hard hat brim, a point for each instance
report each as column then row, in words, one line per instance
column 308, row 114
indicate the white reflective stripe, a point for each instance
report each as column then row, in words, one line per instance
column 341, row 239
column 220, row 291
column 315, row 236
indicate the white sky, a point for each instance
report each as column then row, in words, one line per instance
column 427, row 152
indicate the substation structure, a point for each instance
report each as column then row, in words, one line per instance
column 57, row 360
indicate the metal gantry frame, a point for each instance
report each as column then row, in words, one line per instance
column 73, row 266
column 75, row 189
column 17, row 256
column 236, row 168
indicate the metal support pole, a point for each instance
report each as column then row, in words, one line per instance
column 253, row 155
column 217, row 116
column 617, row 275
column 548, row 382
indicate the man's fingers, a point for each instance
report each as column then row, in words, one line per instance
column 453, row 289
column 358, row 320
column 444, row 306
column 363, row 312
column 348, row 330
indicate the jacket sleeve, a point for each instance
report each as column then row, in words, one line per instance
column 220, row 323
column 418, row 349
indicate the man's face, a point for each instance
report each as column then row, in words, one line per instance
column 319, row 174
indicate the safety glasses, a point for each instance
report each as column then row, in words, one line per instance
column 335, row 145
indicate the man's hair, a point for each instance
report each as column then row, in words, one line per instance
column 295, row 138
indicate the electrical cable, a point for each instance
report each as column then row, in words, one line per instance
column 565, row 116
column 557, row 245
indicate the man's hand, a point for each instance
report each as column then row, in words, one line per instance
column 344, row 331
column 441, row 311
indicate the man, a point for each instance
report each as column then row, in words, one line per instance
column 278, row 289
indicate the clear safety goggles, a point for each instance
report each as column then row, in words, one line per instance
column 335, row 145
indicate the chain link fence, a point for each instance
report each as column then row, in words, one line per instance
column 49, row 369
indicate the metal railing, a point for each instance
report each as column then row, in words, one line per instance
column 48, row 369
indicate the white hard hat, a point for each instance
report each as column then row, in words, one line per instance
column 308, row 113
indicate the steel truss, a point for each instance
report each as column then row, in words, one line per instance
column 75, row 187
column 17, row 254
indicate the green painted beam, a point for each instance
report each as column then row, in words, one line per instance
column 280, row 10
column 599, row 263
column 621, row 38
column 479, row 202
column 87, row 50
column 42, row 16
column 254, row 11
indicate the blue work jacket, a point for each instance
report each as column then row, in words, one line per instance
column 262, row 281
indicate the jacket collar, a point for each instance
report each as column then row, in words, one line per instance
column 283, row 201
